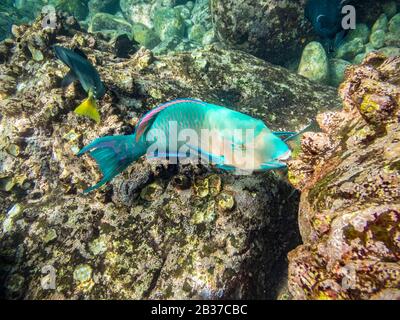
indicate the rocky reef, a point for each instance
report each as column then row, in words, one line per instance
column 157, row 231
column 164, row 26
column 272, row 30
column 349, row 177
column 162, row 231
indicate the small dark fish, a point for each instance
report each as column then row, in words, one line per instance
column 81, row 69
column 326, row 18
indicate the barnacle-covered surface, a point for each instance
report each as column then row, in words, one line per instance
column 349, row 215
column 157, row 231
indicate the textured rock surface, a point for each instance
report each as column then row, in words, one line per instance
column 350, row 180
column 274, row 30
column 157, row 231
column 337, row 68
column 314, row 63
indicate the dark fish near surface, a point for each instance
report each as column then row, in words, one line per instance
column 326, row 18
column 81, row 69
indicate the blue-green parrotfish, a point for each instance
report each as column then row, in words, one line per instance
column 221, row 135
column 81, row 69
column 326, row 18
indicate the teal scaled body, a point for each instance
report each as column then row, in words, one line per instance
column 191, row 128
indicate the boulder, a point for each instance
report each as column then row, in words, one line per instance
column 145, row 36
column 137, row 11
column 337, row 68
column 274, row 30
column 314, row 63
column 77, row 8
column 105, row 21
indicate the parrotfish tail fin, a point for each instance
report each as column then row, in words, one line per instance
column 88, row 108
column 113, row 155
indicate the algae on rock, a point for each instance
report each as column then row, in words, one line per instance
column 350, row 181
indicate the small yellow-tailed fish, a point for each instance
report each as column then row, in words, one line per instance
column 222, row 134
column 81, row 69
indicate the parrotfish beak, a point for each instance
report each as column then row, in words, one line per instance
column 286, row 156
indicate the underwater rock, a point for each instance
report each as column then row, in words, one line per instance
column 105, row 21
column 196, row 33
column 394, row 25
column 77, row 8
column 209, row 38
column 273, row 30
column 337, row 68
column 166, row 46
column 108, row 6
column 390, row 51
column 314, row 63
column 201, row 14
column 361, row 31
column 145, row 36
column 359, row 58
column 381, row 23
column 348, row 50
column 138, row 11
column 377, row 39
column 392, row 40
column 349, row 175
column 168, row 23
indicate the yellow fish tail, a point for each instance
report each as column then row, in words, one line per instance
column 88, row 108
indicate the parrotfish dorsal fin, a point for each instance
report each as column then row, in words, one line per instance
column 150, row 116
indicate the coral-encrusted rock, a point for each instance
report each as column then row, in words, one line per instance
column 350, row 180
column 274, row 30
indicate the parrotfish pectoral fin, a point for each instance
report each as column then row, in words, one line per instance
column 273, row 165
column 113, row 155
column 68, row 79
column 88, row 108
column 208, row 156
